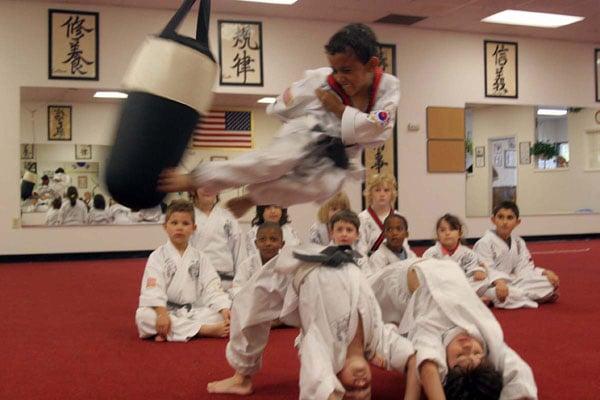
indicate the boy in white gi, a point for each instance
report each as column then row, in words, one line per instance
column 460, row 346
column 269, row 240
column 329, row 116
column 271, row 213
column 395, row 247
column 449, row 230
column 181, row 295
column 329, row 298
column 218, row 236
column 319, row 231
column 517, row 281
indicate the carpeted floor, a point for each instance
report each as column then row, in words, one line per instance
column 67, row 332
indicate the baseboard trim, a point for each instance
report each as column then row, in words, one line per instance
column 23, row 258
column 531, row 238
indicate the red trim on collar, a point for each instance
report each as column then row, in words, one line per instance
column 449, row 252
column 336, row 87
column 381, row 236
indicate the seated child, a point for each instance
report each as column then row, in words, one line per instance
column 181, row 295
column 329, row 117
column 98, row 214
column 395, row 248
column 73, row 211
column 271, row 213
column 324, row 293
column 319, row 231
column 454, row 333
column 119, row 214
column 152, row 215
column 269, row 240
column 517, row 281
column 52, row 215
column 449, row 232
column 218, row 236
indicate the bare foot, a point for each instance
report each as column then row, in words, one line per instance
column 378, row 361
column 237, row 384
column 487, row 301
column 159, row 338
column 240, row 205
column 218, row 330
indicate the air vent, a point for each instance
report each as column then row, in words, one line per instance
column 400, row 19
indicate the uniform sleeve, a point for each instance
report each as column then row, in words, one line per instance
column 362, row 246
column 429, row 253
column 212, row 293
column 376, row 126
column 526, row 264
column 427, row 341
column 517, row 378
column 242, row 275
column 377, row 261
column 313, row 234
column 154, row 284
column 484, row 253
column 469, row 262
column 292, row 237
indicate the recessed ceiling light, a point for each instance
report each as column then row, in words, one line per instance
column 267, row 100
column 527, row 18
column 286, row 2
column 110, row 95
column 551, row 112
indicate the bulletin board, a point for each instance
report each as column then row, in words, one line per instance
column 445, row 123
column 445, row 139
column 445, row 155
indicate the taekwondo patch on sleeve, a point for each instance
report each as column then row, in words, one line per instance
column 382, row 118
column 151, row 282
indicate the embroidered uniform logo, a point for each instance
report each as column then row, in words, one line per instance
column 170, row 268
column 151, row 282
column 380, row 117
column 227, row 228
column 194, row 270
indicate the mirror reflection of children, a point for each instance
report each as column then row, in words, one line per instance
column 52, row 215
column 181, row 295
column 271, row 213
column 516, row 281
column 99, row 214
column 395, row 247
column 319, row 231
column 73, row 211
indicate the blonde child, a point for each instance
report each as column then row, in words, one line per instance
column 181, row 295
column 395, row 247
column 449, row 231
column 271, row 213
column 319, row 231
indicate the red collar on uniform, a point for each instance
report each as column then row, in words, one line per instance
column 449, row 252
column 336, row 87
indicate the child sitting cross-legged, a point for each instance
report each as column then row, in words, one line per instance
column 395, row 248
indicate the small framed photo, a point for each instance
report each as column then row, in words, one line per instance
column 27, row 151
column 479, row 151
column 524, row 153
column 501, row 69
column 510, row 159
column 597, row 74
column 82, row 182
column 73, row 45
column 480, row 161
column 83, row 151
column 59, row 122
column 388, row 58
column 240, row 53
column 218, row 158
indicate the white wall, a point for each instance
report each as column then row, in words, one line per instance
column 435, row 68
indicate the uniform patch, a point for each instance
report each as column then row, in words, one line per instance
column 287, row 96
column 151, row 282
column 380, row 117
column 194, row 270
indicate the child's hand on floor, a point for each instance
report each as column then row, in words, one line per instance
column 501, row 290
column 226, row 313
column 552, row 277
column 163, row 324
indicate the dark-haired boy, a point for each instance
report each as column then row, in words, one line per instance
column 395, row 248
column 517, row 281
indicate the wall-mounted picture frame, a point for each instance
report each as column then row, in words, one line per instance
column 82, row 182
column 480, row 151
column 597, row 73
column 30, row 166
column 240, row 53
column 83, row 151
column 59, row 122
column 218, row 158
column 27, row 151
column 480, row 161
column 501, row 72
column 73, row 45
column 524, row 153
column 510, row 159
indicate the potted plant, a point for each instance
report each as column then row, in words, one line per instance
column 544, row 150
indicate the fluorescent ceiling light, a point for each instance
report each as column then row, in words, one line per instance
column 110, row 95
column 527, row 18
column 267, row 100
column 550, row 111
column 286, row 2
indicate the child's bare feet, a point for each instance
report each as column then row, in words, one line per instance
column 218, row 330
column 237, row 384
column 240, row 205
column 159, row 338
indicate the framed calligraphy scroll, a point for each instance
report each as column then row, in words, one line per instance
column 59, row 122
column 83, row 151
column 382, row 159
column 597, row 76
column 501, row 69
column 240, row 53
column 73, row 45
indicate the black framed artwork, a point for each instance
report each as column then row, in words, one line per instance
column 240, row 53
column 501, row 62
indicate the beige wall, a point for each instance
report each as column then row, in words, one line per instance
column 435, row 68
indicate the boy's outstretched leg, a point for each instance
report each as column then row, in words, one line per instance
column 239, row 206
column 237, row 384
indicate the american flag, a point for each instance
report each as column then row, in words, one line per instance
column 231, row 129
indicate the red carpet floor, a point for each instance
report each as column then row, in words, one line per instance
column 67, row 332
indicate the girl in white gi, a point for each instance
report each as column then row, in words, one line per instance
column 517, row 281
column 53, row 213
column 395, row 248
column 269, row 240
column 181, row 295
column 98, row 215
column 449, row 232
column 457, row 339
column 324, row 293
column 329, row 116
column 381, row 195
column 319, row 231
column 74, row 211
column 271, row 213
column 218, row 236
column 119, row 214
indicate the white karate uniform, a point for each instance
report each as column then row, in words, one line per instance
column 467, row 259
column 59, row 183
column 187, row 285
column 384, row 256
column 245, row 272
column 526, row 284
column 319, row 234
column 444, row 306
column 369, row 232
column 73, row 215
column 98, row 217
column 290, row 237
column 288, row 171
column 53, row 217
column 119, row 214
column 219, row 237
column 326, row 304
column 153, row 214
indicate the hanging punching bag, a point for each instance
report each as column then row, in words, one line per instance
column 169, row 82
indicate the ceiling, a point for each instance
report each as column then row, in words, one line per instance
column 448, row 15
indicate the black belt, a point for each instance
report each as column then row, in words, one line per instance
column 333, row 148
column 224, row 276
column 187, row 306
